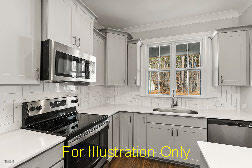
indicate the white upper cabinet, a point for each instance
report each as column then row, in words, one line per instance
column 57, row 21
column 134, row 63
column 231, row 58
column 99, row 52
column 20, row 41
column 66, row 22
column 86, row 34
column 116, row 59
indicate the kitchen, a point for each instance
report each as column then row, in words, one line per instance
column 86, row 83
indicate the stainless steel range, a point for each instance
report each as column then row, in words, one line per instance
column 59, row 116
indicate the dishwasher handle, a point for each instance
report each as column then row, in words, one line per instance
column 230, row 123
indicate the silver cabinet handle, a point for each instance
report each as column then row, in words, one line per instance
column 75, row 38
column 177, row 132
column 79, row 42
column 172, row 133
column 222, row 80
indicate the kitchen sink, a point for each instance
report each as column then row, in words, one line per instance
column 175, row 110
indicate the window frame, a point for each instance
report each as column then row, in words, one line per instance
column 173, row 69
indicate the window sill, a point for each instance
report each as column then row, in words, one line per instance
column 169, row 96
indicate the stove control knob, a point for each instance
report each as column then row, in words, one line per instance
column 32, row 108
column 39, row 108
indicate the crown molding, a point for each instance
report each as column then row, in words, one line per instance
column 228, row 14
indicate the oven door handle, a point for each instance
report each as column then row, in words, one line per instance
column 88, row 133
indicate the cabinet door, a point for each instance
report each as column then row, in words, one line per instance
column 20, row 42
column 233, row 58
column 59, row 21
column 116, row 131
column 186, row 138
column 82, row 30
column 134, row 64
column 86, row 34
column 126, row 130
column 139, row 131
column 159, row 136
column 116, row 59
column 76, row 26
column 99, row 53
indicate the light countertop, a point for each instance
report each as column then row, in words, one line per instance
column 21, row 145
column 219, row 114
column 225, row 156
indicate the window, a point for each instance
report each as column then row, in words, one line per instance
column 178, row 71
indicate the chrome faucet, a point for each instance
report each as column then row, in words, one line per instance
column 174, row 102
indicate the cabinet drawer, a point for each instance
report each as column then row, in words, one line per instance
column 46, row 159
column 177, row 120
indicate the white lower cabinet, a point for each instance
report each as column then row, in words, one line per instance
column 116, row 131
column 158, row 137
column 180, row 138
column 139, row 131
column 51, row 158
column 165, row 137
column 186, row 139
column 126, row 130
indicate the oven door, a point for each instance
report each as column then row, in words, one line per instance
column 92, row 151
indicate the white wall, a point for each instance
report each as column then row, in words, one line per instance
column 246, row 17
column 246, row 92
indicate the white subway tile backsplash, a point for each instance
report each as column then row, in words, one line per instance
column 11, row 98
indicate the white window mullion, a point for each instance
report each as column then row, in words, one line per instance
column 187, row 69
column 173, row 68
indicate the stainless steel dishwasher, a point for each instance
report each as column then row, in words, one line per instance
column 237, row 133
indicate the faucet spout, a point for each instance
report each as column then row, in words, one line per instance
column 174, row 102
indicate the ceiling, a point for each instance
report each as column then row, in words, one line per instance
column 123, row 14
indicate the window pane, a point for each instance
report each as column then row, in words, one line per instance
column 181, row 56
column 154, row 57
column 165, row 55
column 153, row 83
column 194, row 55
column 181, row 80
column 164, row 82
column 194, row 82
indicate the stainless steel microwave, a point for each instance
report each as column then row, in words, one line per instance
column 60, row 63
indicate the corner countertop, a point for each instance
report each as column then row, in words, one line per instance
column 217, row 114
column 221, row 156
column 22, row 145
